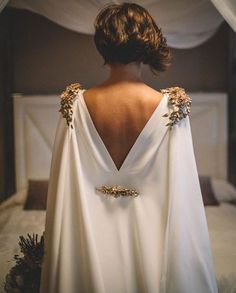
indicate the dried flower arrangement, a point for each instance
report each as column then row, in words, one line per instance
column 25, row 275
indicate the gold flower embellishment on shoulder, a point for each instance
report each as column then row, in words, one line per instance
column 67, row 99
column 179, row 103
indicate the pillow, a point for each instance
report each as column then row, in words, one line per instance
column 208, row 196
column 224, row 191
column 36, row 195
column 17, row 198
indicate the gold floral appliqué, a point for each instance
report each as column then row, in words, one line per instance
column 180, row 104
column 67, row 98
column 117, row 191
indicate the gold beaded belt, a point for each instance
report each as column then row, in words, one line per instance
column 117, row 191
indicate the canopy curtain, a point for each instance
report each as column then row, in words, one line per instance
column 3, row 3
column 227, row 8
column 185, row 23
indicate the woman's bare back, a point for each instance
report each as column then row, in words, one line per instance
column 119, row 113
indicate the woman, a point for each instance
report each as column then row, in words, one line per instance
column 125, row 210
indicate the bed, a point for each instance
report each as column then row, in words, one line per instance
column 35, row 120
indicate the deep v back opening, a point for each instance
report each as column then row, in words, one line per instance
column 134, row 144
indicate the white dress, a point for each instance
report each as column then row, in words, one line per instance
column 155, row 241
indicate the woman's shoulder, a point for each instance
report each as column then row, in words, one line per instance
column 179, row 102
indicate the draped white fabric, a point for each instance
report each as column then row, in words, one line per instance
column 185, row 23
column 3, row 3
column 227, row 8
column 155, row 242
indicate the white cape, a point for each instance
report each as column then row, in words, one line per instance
column 157, row 242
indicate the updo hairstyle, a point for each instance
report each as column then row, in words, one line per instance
column 127, row 33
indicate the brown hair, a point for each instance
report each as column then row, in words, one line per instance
column 127, row 33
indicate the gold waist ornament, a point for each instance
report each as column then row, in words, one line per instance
column 117, row 191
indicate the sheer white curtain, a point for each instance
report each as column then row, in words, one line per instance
column 227, row 8
column 3, row 3
column 185, row 23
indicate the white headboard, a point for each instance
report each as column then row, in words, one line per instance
column 210, row 133
column 35, row 121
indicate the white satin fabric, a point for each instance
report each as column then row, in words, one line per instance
column 157, row 242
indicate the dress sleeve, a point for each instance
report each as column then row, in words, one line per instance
column 188, row 264
column 62, row 167
column 55, row 200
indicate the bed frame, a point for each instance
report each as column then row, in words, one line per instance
column 35, row 121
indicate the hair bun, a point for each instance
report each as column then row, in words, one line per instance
column 157, row 53
column 127, row 33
